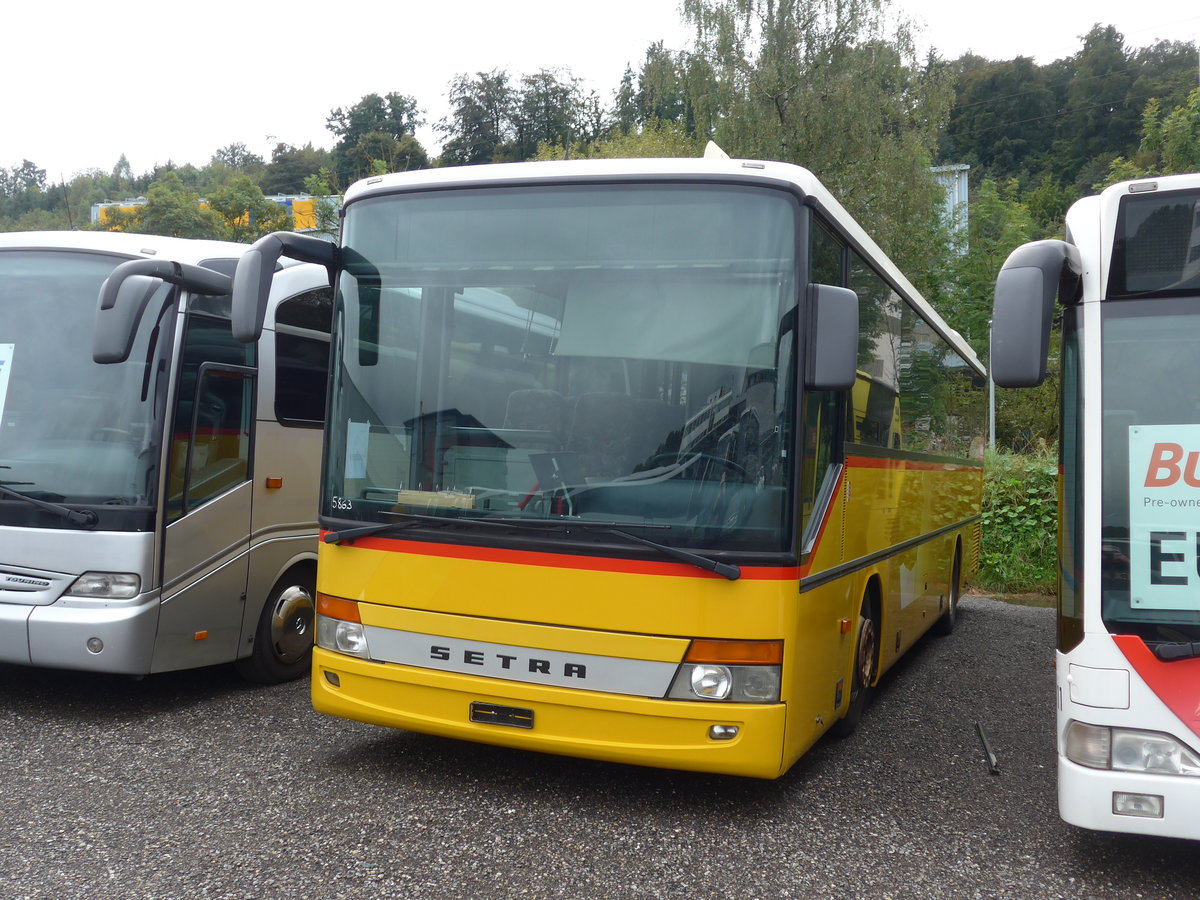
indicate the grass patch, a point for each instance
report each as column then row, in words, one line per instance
column 1020, row 524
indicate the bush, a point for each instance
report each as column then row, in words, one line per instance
column 1020, row 516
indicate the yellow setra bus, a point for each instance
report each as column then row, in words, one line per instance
column 653, row 461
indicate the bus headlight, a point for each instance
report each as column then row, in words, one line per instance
column 1127, row 750
column 711, row 682
column 106, row 585
column 733, row 671
column 735, row 684
column 339, row 628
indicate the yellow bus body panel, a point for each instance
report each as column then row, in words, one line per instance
column 627, row 609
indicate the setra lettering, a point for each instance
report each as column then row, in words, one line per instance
column 506, row 661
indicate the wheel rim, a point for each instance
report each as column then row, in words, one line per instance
column 291, row 623
column 867, row 640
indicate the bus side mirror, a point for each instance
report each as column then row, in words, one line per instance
column 125, row 293
column 831, row 347
column 256, row 268
column 1030, row 279
column 121, row 305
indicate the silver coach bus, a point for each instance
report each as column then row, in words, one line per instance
column 158, row 479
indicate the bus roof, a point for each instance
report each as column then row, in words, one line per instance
column 777, row 174
column 135, row 246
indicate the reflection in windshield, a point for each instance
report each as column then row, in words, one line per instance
column 603, row 355
column 71, row 431
column 1151, row 511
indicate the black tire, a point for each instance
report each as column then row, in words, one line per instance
column 283, row 640
column 866, row 666
column 945, row 624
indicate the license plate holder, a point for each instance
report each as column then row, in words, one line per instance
column 495, row 714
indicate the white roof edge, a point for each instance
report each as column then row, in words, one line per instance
column 135, row 246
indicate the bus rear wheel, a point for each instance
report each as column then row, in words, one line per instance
column 945, row 625
column 283, row 640
column 866, row 662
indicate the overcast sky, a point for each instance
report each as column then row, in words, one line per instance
column 85, row 82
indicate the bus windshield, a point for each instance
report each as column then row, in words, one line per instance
column 1151, row 469
column 605, row 353
column 72, row 431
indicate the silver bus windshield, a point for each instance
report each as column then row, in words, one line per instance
column 72, row 431
column 1151, row 468
column 606, row 353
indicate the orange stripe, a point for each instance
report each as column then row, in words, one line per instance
column 566, row 560
column 874, row 462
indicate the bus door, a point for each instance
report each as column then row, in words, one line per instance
column 205, row 557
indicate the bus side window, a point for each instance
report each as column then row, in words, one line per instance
column 219, row 456
column 214, row 399
column 302, row 325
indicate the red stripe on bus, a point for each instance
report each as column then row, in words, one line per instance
column 566, row 560
column 877, row 462
column 1177, row 683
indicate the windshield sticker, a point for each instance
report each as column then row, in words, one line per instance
column 1164, row 516
column 6, row 358
column 358, row 435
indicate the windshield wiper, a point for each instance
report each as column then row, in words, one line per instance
column 349, row 534
column 725, row 570
column 83, row 517
column 1173, row 651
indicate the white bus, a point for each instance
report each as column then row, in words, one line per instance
column 1128, row 661
column 158, row 479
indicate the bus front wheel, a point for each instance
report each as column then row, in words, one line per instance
column 283, row 640
column 866, row 662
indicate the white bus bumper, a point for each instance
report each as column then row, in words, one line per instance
column 1087, row 798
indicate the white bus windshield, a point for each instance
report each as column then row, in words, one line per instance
column 72, row 431
column 610, row 353
column 1151, row 469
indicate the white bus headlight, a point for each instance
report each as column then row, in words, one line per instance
column 711, row 682
column 342, row 637
column 1127, row 750
column 1158, row 754
column 106, row 585
column 733, row 671
column 735, row 684
column 339, row 628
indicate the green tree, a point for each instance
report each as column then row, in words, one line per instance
column 170, row 209
column 245, row 213
column 658, row 140
column 1101, row 120
column 321, row 186
column 290, row 166
column 823, row 83
column 358, row 128
column 238, row 156
column 480, row 128
column 549, row 109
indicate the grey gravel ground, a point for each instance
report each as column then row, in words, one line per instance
column 197, row 786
